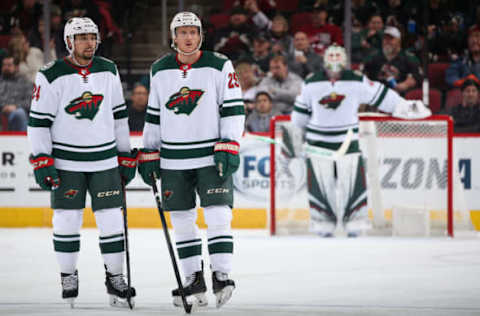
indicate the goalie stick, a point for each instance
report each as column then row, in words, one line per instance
column 186, row 305
column 127, row 251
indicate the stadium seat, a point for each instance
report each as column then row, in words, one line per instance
column 298, row 20
column 219, row 20
column 436, row 75
column 454, row 97
column 287, row 5
column 4, row 39
column 435, row 98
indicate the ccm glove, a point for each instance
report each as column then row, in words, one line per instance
column 45, row 173
column 226, row 157
column 148, row 163
column 127, row 165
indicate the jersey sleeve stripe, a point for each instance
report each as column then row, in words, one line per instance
column 84, row 156
column 232, row 110
column 186, row 153
column 233, row 100
column 331, row 133
column 376, row 93
column 381, row 97
column 41, row 114
column 301, row 110
column 120, row 114
column 149, row 108
column 119, row 107
column 34, row 122
column 153, row 119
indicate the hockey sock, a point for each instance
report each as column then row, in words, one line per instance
column 220, row 239
column 110, row 225
column 188, row 240
column 66, row 238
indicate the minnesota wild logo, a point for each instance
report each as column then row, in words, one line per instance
column 332, row 101
column 184, row 101
column 70, row 194
column 86, row 106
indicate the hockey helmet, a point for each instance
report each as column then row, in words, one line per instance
column 75, row 26
column 335, row 58
column 185, row 19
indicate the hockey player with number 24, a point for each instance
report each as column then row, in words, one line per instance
column 195, row 118
column 327, row 109
column 78, row 132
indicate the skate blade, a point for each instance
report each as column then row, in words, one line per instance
column 196, row 300
column 70, row 301
column 116, row 301
column 224, row 295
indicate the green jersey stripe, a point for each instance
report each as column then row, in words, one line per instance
column 190, row 143
column 117, row 107
column 353, row 148
column 381, row 97
column 120, row 114
column 66, row 236
column 111, row 236
column 42, row 114
column 232, row 110
column 220, row 247
column 153, row 119
column 84, row 156
column 191, row 251
column 188, row 241
column 186, row 153
column 152, row 109
column 331, row 133
column 300, row 110
column 66, row 246
column 93, row 146
column 233, row 100
column 112, row 247
column 220, row 237
column 33, row 122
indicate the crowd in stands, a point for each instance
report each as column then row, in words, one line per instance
column 276, row 44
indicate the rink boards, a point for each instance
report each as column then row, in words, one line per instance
column 23, row 204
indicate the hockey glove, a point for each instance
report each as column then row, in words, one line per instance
column 148, row 163
column 127, row 165
column 45, row 173
column 226, row 157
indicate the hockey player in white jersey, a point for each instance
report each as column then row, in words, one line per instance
column 195, row 118
column 326, row 109
column 79, row 136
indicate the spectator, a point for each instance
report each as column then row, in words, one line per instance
column 282, row 42
column 31, row 58
column 15, row 95
column 466, row 115
column 25, row 14
column 468, row 65
column 282, row 85
column 396, row 68
column 35, row 36
column 261, row 54
column 259, row 120
column 372, row 35
column 248, row 83
column 303, row 60
column 320, row 32
column 137, row 108
column 234, row 40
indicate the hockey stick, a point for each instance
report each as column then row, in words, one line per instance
column 186, row 305
column 127, row 251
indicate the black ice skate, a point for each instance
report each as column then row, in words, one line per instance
column 222, row 287
column 118, row 290
column 194, row 285
column 69, row 287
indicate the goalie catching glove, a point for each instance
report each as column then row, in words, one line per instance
column 148, row 164
column 226, row 157
column 127, row 165
column 45, row 173
column 411, row 109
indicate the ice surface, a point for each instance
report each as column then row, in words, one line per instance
column 277, row 276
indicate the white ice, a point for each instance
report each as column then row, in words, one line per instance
column 277, row 276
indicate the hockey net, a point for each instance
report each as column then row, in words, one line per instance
column 410, row 166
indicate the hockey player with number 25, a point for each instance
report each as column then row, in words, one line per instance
column 195, row 118
column 327, row 109
column 78, row 132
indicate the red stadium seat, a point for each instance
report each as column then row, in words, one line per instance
column 454, row 97
column 435, row 98
column 299, row 19
column 436, row 75
column 4, row 39
column 287, row 5
column 219, row 20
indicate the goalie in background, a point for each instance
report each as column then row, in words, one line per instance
column 326, row 109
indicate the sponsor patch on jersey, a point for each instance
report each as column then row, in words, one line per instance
column 332, row 101
column 86, row 106
column 184, row 101
column 70, row 194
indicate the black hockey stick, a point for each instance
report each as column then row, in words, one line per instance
column 127, row 251
column 186, row 305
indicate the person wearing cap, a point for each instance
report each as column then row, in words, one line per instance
column 393, row 66
column 469, row 64
column 303, row 60
column 466, row 115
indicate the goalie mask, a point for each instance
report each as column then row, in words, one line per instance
column 185, row 19
column 75, row 26
column 335, row 58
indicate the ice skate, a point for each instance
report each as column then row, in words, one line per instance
column 222, row 287
column 118, row 290
column 70, row 287
column 194, row 286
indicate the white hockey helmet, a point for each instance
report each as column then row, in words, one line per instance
column 185, row 19
column 335, row 58
column 75, row 26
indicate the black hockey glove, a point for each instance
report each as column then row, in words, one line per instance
column 148, row 163
column 127, row 165
column 45, row 173
column 226, row 157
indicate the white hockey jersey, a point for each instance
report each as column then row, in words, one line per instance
column 190, row 107
column 328, row 109
column 78, row 115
